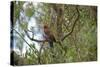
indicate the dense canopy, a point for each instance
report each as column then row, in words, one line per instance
column 73, row 26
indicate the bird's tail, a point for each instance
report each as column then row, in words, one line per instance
column 51, row 44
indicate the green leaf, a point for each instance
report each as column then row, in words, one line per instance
column 24, row 25
column 29, row 12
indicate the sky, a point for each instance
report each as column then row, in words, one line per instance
column 37, row 32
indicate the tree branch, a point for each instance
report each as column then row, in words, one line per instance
column 33, row 38
column 39, row 54
column 23, row 39
column 72, row 26
column 69, row 21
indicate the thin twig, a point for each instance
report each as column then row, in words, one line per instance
column 23, row 39
column 33, row 38
column 39, row 54
column 72, row 26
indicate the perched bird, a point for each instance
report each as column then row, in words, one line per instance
column 48, row 35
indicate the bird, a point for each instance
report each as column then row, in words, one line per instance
column 48, row 35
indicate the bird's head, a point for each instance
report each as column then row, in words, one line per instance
column 46, row 26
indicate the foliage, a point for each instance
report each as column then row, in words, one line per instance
column 73, row 21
